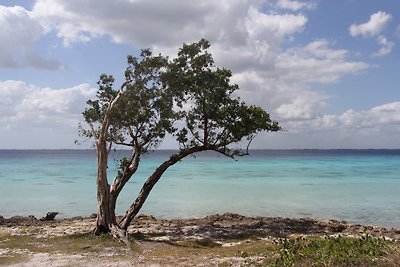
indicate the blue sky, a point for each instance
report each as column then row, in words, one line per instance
column 327, row 70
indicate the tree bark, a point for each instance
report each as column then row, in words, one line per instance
column 105, row 217
column 106, row 220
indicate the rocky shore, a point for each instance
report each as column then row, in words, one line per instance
column 156, row 239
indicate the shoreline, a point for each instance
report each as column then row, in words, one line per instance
column 220, row 226
column 217, row 240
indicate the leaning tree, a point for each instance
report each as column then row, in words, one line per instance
column 187, row 97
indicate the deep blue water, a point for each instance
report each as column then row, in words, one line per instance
column 359, row 186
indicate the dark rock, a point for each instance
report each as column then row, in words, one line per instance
column 256, row 225
column 146, row 217
column 21, row 220
column 338, row 228
column 50, row 216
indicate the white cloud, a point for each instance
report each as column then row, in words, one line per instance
column 259, row 25
column 245, row 38
column 160, row 23
column 284, row 85
column 136, row 22
column 18, row 33
column 374, row 27
column 302, row 107
column 316, row 63
column 25, row 105
column 376, row 119
column 378, row 127
column 295, row 5
column 386, row 46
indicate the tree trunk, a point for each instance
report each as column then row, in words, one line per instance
column 152, row 180
column 106, row 221
column 104, row 216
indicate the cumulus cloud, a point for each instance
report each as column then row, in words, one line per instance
column 284, row 85
column 18, row 33
column 378, row 127
column 258, row 25
column 316, row 62
column 374, row 27
column 386, row 46
column 139, row 22
column 252, row 42
column 29, row 105
column 295, row 5
column 375, row 119
column 245, row 38
column 301, row 107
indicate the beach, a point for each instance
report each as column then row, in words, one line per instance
column 216, row 240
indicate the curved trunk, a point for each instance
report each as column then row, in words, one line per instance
column 152, row 180
column 119, row 183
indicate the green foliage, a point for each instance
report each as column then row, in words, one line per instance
column 331, row 251
column 188, row 97
column 141, row 114
column 211, row 115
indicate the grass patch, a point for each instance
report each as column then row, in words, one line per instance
column 335, row 251
column 13, row 250
column 16, row 248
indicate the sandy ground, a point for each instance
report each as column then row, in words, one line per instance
column 157, row 241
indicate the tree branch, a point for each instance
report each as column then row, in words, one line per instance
column 119, row 182
column 153, row 179
column 93, row 130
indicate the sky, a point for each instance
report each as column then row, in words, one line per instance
column 327, row 70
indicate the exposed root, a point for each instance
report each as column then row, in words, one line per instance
column 119, row 234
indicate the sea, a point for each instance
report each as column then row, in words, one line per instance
column 356, row 186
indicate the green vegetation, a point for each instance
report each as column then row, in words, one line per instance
column 336, row 251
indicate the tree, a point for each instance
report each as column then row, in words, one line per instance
column 187, row 97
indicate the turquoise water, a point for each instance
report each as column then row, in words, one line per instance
column 359, row 186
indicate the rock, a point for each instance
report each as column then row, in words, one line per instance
column 256, row 225
column 50, row 216
column 21, row 220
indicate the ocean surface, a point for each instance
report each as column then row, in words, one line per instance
column 358, row 186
